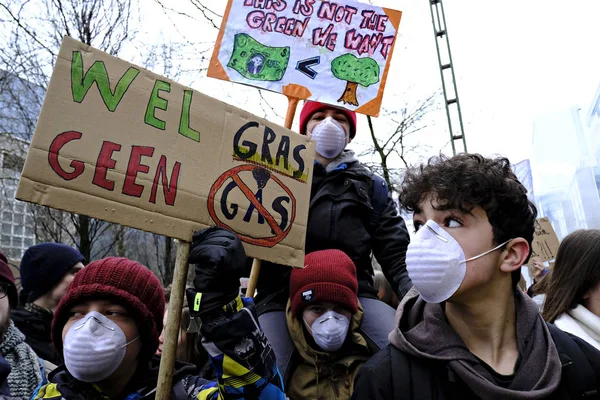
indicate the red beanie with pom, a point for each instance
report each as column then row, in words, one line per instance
column 311, row 107
column 327, row 276
column 125, row 282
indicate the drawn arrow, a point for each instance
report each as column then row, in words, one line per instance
column 304, row 66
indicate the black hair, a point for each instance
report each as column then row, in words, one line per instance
column 466, row 181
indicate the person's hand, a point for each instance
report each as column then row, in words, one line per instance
column 536, row 269
column 220, row 262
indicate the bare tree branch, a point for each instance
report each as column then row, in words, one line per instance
column 408, row 121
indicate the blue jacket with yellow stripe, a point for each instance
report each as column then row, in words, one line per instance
column 240, row 354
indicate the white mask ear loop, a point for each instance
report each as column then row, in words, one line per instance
column 132, row 340
column 488, row 252
column 443, row 239
column 306, row 325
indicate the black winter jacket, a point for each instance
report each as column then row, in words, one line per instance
column 36, row 323
column 341, row 217
column 394, row 375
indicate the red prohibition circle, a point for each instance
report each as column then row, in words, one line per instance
column 233, row 174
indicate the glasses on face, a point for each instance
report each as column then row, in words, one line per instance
column 3, row 290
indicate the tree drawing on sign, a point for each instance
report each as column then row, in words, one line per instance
column 256, row 61
column 355, row 71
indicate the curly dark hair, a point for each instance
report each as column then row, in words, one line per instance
column 466, row 181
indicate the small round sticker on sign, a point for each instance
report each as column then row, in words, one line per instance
column 254, row 203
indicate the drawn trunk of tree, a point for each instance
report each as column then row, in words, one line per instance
column 349, row 96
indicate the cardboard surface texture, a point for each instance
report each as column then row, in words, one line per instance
column 122, row 144
column 334, row 52
column 545, row 242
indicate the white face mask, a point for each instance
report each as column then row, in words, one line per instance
column 94, row 347
column 331, row 138
column 436, row 263
column 329, row 331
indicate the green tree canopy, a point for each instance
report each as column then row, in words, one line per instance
column 364, row 71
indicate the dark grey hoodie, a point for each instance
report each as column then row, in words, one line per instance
column 424, row 332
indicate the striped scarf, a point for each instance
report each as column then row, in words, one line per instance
column 25, row 374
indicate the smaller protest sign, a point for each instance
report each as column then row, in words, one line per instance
column 336, row 53
column 545, row 242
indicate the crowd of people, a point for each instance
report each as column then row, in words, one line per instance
column 445, row 320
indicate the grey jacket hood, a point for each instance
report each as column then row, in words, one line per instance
column 424, row 332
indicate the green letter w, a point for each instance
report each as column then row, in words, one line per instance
column 80, row 84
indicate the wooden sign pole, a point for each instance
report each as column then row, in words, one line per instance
column 167, row 360
column 289, row 119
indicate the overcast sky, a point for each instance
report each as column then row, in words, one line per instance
column 515, row 60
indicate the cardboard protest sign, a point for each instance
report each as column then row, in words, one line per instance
column 122, row 144
column 545, row 242
column 333, row 52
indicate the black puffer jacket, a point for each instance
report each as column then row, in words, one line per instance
column 341, row 217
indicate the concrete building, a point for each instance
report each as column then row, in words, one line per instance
column 566, row 159
column 20, row 103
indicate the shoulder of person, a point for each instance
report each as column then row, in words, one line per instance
column 580, row 360
column 568, row 343
column 404, row 375
column 359, row 168
column 380, row 362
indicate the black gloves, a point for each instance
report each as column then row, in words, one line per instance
column 220, row 262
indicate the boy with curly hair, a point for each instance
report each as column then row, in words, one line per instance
column 465, row 331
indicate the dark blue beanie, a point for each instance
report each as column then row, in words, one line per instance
column 44, row 265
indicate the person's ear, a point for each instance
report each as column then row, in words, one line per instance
column 514, row 255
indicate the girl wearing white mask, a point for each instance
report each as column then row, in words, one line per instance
column 324, row 318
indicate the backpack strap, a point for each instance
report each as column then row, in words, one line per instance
column 578, row 376
column 379, row 198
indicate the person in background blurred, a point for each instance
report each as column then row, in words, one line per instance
column 537, row 271
column 384, row 290
column 573, row 287
column 47, row 269
column 188, row 344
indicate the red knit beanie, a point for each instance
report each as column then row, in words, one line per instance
column 127, row 283
column 311, row 107
column 328, row 275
